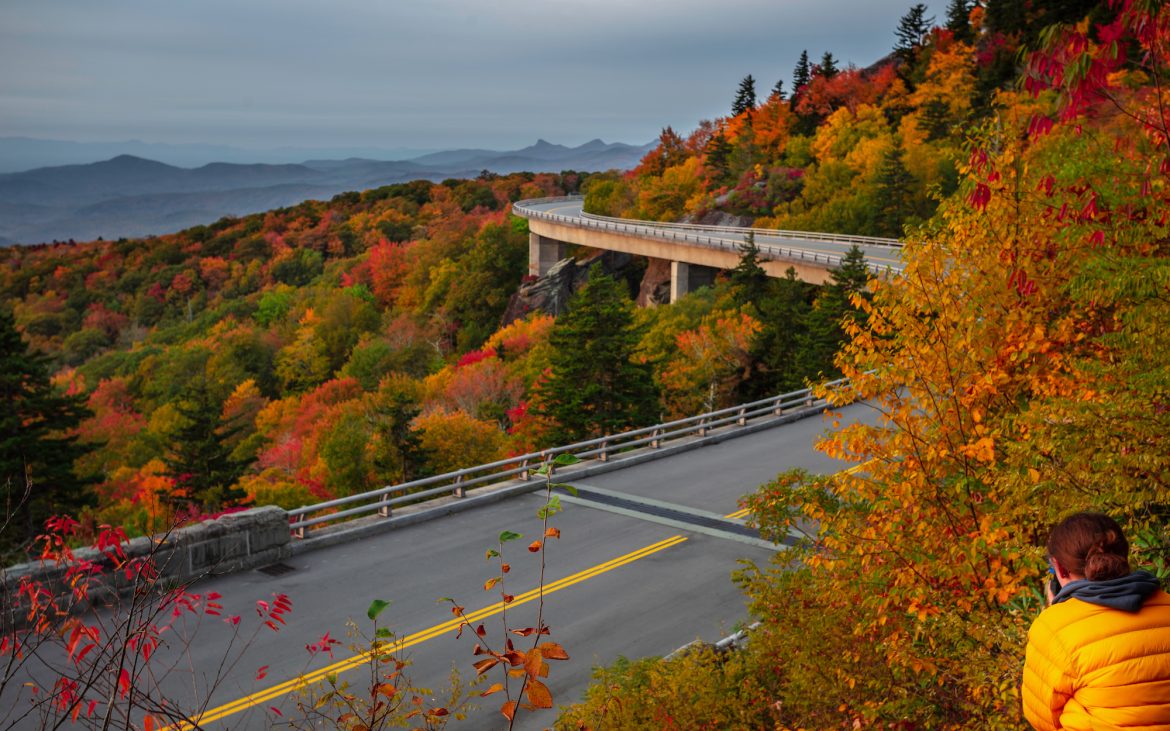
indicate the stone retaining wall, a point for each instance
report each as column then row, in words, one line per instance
column 234, row 542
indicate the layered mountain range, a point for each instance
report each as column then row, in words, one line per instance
column 132, row 196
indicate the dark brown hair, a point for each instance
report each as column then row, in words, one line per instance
column 1090, row 545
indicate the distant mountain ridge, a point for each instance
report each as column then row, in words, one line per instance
column 130, row 196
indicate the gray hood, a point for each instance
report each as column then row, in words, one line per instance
column 1125, row 593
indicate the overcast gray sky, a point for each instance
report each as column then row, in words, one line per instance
column 406, row 73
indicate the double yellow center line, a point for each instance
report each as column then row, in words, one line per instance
column 276, row 691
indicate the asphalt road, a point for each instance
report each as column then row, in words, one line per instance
column 618, row 583
column 875, row 254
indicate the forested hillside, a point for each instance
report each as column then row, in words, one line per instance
column 846, row 150
column 333, row 347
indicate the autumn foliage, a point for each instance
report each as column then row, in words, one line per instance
column 1018, row 368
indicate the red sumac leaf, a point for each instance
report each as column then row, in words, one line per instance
column 534, row 546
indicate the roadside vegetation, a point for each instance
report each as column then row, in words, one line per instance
column 1019, row 361
column 1020, row 365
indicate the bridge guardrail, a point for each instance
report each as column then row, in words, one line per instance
column 383, row 500
column 680, row 233
column 775, row 232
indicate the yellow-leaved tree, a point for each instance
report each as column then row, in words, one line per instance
column 1019, row 364
column 1020, row 368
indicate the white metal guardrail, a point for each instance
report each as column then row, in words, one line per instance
column 691, row 234
column 383, row 500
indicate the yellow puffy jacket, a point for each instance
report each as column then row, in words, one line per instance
column 1094, row 668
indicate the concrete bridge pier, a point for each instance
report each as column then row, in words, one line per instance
column 543, row 252
column 685, row 278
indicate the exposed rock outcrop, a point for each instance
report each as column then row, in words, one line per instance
column 655, row 288
column 551, row 293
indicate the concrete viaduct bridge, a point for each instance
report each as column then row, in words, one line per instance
column 694, row 251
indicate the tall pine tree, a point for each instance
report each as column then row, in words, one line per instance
column 749, row 281
column 745, row 96
column 783, row 314
column 593, row 387
column 825, row 332
column 717, row 155
column 894, row 203
column 827, row 68
column 912, row 31
column 200, row 459
column 36, row 451
column 801, row 76
column 959, row 20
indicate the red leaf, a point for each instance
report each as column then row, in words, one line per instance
column 262, row 672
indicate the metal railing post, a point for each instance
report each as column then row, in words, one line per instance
column 604, row 456
column 385, row 510
column 742, row 420
column 459, row 490
column 524, row 471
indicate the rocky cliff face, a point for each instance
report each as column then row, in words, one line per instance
column 551, row 293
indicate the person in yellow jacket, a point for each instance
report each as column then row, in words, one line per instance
column 1099, row 656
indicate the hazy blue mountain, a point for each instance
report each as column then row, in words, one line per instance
column 129, row 195
column 25, row 153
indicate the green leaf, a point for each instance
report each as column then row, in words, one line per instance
column 542, row 470
column 384, row 632
column 445, row 599
column 567, row 488
column 552, row 507
column 509, row 536
column 376, row 608
column 491, row 553
column 566, row 459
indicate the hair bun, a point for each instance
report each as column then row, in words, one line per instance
column 1101, row 565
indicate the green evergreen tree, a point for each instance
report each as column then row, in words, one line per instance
column 36, row 453
column 717, row 155
column 401, row 457
column 745, row 96
column 801, row 75
column 784, row 311
column 749, row 281
column 825, row 332
column 959, row 20
column 778, row 91
column 912, row 32
column 594, row 387
column 1005, row 16
column 936, row 119
column 827, row 68
column 200, row 458
column 895, row 202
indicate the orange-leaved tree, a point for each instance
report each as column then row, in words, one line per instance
column 1018, row 364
